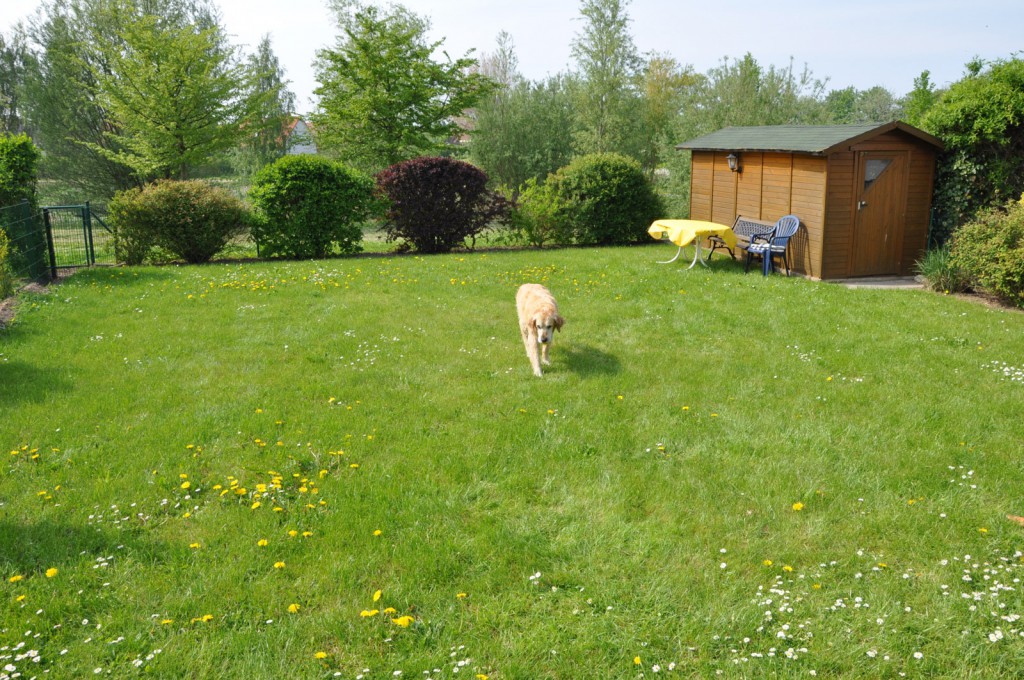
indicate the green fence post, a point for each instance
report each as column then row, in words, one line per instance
column 49, row 244
column 90, row 250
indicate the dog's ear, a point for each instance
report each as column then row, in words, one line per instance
column 559, row 322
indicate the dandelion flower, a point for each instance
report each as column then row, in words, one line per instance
column 15, row 578
column 376, row 595
column 186, row 485
column 293, row 608
column 51, row 572
column 378, row 532
column 390, row 610
column 787, row 568
column 460, row 596
column 278, row 565
column 255, row 505
column 320, row 655
column 767, row 563
column 262, row 543
column 798, row 506
column 194, row 546
column 403, row 621
column 636, row 660
column 366, row 613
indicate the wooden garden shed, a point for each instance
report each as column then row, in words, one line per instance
column 862, row 192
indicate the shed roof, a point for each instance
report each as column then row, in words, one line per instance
column 812, row 139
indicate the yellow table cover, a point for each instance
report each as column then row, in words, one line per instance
column 683, row 232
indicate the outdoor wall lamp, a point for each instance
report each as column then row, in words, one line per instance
column 734, row 163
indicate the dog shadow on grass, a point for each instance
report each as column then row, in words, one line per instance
column 586, row 360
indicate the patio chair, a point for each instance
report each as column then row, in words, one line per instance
column 773, row 243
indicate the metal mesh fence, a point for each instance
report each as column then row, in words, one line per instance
column 23, row 224
column 79, row 237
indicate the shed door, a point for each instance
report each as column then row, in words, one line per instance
column 880, row 190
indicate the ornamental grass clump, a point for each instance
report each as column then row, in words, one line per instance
column 189, row 219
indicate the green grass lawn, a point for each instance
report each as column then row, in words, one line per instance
column 346, row 468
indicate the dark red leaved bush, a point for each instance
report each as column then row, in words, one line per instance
column 435, row 204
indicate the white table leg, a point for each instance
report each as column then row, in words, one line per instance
column 674, row 258
column 697, row 255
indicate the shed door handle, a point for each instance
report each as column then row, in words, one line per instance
column 861, row 204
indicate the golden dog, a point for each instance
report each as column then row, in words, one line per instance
column 538, row 321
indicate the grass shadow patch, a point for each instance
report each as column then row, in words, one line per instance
column 587, row 360
column 37, row 546
column 21, row 382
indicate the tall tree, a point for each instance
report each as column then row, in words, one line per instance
column 502, row 66
column 920, row 100
column 664, row 87
column 61, row 99
column 742, row 92
column 607, row 97
column 177, row 93
column 852, row 106
column 83, row 47
column 273, row 108
column 524, row 132
column 14, row 59
column 383, row 98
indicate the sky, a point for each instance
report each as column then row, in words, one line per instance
column 859, row 44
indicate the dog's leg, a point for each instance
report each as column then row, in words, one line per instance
column 544, row 353
column 530, row 341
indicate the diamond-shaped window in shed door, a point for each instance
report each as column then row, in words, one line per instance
column 873, row 169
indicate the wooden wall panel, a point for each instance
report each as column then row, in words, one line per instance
column 837, row 234
column 701, row 173
column 748, row 189
column 808, row 203
column 918, row 213
column 723, row 203
column 776, row 185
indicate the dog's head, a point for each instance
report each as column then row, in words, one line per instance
column 546, row 325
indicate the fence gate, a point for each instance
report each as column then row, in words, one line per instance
column 71, row 239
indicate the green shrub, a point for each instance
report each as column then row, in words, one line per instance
column 436, row 204
column 6, row 275
column 18, row 159
column 535, row 216
column 990, row 252
column 603, row 199
column 940, row 273
column 308, row 206
column 189, row 219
